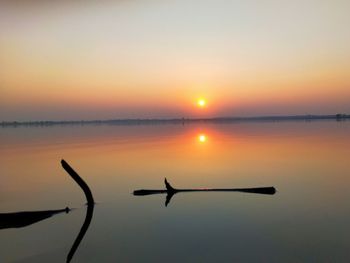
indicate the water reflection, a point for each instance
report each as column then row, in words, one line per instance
column 82, row 232
column 296, row 158
column 24, row 219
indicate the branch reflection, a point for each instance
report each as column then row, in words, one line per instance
column 82, row 232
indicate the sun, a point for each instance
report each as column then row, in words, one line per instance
column 201, row 103
column 202, row 138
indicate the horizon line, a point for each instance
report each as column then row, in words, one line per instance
column 131, row 121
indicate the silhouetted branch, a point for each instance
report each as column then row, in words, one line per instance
column 79, row 181
column 170, row 191
column 22, row 219
column 90, row 207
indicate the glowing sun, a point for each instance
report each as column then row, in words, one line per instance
column 201, row 103
column 202, row 138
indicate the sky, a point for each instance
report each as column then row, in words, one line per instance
column 154, row 59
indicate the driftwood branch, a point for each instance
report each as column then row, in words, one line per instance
column 79, row 181
column 23, row 219
column 89, row 211
column 171, row 191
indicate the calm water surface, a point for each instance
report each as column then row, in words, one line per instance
column 307, row 220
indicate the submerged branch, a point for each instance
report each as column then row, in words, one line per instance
column 90, row 208
column 23, row 219
column 171, row 191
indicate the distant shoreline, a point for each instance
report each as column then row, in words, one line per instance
column 336, row 117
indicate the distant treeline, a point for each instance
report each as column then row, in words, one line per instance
column 337, row 117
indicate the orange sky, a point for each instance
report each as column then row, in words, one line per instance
column 155, row 59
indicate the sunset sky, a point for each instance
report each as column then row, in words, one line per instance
column 157, row 58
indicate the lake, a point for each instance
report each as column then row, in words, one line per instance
column 307, row 220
